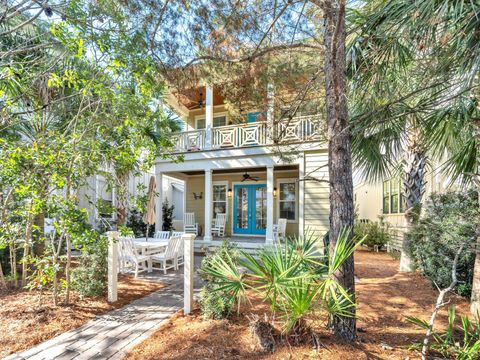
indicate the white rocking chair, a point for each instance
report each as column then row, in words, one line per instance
column 279, row 230
column 169, row 255
column 219, row 224
column 129, row 255
column 189, row 224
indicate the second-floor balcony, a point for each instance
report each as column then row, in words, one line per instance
column 262, row 133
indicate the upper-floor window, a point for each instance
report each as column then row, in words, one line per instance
column 393, row 199
column 217, row 121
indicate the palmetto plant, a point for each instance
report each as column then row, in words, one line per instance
column 294, row 278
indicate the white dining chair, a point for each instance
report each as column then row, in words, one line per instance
column 169, row 258
column 189, row 224
column 219, row 225
column 129, row 256
column 162, row 235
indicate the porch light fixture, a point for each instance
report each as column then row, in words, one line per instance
column 274, row 192
column 230, row 193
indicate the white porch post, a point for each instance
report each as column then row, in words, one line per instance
column 269, row 237
column 209, row 117
column 301, row 196
column 158, row 199
column 208, row 206
column 112, row 263
column 271, row 131
column 188, row 270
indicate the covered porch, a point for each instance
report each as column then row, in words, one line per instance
column 253, row 199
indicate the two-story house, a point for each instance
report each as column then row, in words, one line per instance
column 255, row 168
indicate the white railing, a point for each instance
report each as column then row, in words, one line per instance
column 295, row 130
column 189, row 141
column 240, row 135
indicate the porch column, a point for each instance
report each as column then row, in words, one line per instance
column 208, row 117
column 158, row 199
column 301, row 196
column 270, row 186
column 208, row 206
column 271, row 132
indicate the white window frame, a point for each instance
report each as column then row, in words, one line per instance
column 218, row 114
column 223, row 183
column 288, row 181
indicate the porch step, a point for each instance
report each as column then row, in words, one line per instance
column 247, row 246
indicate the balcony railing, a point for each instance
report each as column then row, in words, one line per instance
column 296, row 130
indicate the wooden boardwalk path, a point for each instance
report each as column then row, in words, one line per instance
column 111, row 335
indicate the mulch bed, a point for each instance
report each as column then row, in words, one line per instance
column 23, row 324
column 385, row 297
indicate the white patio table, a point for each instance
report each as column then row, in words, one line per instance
column 145, row 245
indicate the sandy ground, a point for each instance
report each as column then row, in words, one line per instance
column 23, row 324
column 385, row 297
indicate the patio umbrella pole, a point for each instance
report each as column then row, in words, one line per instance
column 149, row 216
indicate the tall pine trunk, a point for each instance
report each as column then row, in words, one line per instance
column 475, row 297
column 339, row 152
column 122, row 197
column 413, row 190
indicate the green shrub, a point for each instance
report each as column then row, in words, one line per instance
column 374, row 233
column 90, row 278
column 216, row 303
column 446, row 223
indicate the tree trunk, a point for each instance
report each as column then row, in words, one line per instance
column 3, row 283
column 339, row 152
column 413, row 188
column 26, row 245
column 475, row 297
column 122, row 198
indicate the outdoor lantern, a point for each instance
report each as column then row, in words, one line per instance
column 274, row 192
column 229, row 193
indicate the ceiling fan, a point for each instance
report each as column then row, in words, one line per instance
column 247, row 176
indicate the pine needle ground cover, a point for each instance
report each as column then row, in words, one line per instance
column 23, row 324
column 385, row 298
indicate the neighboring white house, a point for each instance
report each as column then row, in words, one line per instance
column 97, row 189
column 384, row 198
column 239, row 167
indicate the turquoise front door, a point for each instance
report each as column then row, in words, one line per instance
column 250, row 209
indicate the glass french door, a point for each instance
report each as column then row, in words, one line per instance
column 250, row 209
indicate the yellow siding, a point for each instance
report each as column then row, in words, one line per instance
column 317, row 204
column 196, row 184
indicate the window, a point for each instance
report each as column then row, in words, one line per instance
column 219, row 198
column 217, row 121
column 200, row 123
column 393, row 199
column 287, row 199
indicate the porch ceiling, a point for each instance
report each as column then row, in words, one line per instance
column 238, row 171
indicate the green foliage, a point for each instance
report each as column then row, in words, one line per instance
column 293, row 278
column 461, row 345
column 167, row 216
column 216, row 303
column 90, row 278
column 374, row 233
column 43, row 274
column 136, row 224
column 445, row 225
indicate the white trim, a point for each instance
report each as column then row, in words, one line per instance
column 224, row 183
column 288, row 181
column 260, row 182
